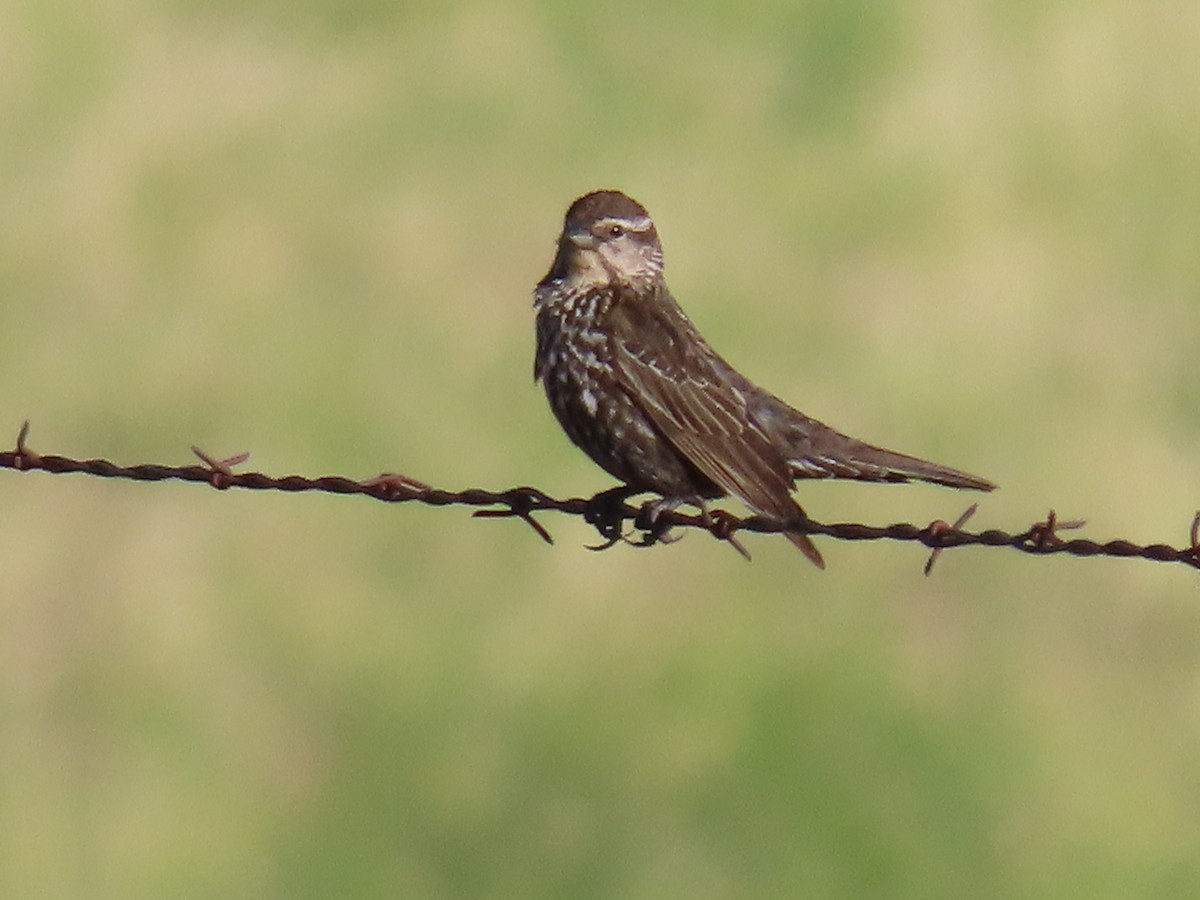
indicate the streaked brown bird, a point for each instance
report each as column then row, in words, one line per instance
column 633, row 384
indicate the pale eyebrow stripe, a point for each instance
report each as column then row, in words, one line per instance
column 641, row 223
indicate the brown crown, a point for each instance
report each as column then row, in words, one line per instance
column 604, row 205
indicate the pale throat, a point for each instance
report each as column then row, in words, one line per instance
column 588, row 269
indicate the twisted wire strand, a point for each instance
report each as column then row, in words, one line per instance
column 609, row 511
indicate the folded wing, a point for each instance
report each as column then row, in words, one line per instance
column 672, row 377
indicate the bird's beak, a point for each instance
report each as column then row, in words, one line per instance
column 583, row 240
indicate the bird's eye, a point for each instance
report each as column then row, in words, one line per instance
column 615, row 231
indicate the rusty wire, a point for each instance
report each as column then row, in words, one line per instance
column 609, row 511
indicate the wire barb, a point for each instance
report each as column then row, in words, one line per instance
column 394, row 487
column 519, row 506
column 609, row 511
column 1043, row 536
column 221, row 469
column 938, row 528
column 24, row 458
column 723, row 525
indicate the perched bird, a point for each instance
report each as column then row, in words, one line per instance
column 633, row 384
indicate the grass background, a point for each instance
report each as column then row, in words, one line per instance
column 310, row 231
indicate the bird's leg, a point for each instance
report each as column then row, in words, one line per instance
column 606, row 513
column 652, row 519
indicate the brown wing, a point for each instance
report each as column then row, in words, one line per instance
column 668, row 369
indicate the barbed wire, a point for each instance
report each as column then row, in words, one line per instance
column 609, row 511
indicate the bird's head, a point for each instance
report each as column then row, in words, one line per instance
column 608, row 239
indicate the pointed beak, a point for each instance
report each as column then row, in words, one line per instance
column 583, row 240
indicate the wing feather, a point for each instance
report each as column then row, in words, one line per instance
column 668, row 369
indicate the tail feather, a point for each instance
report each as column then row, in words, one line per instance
column 814, row 450
column 865, row 462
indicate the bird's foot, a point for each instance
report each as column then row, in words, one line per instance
column 606, row 513
column 654, row 522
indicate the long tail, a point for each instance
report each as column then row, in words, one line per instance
column 866, row 462
column 814, row 450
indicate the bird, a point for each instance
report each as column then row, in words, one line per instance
column 635, row 385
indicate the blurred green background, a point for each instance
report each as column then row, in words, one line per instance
column 310, row 231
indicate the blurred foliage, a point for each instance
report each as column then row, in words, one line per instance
column 310, row 231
